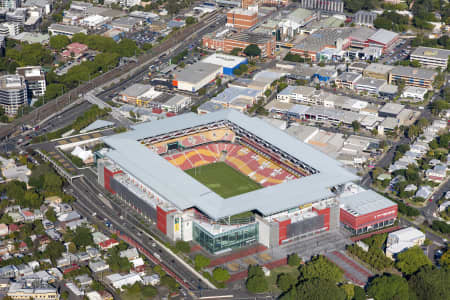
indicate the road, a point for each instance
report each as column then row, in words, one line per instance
column 87, row 194
column 59, row 103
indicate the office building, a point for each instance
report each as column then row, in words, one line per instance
column 242, row 18
column 431, row 57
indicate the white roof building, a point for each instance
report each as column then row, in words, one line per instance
column 118, row 280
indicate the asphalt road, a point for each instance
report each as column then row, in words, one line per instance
column 87, row 194
column 59, row 103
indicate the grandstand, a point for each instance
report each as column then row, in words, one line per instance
column 281, row 189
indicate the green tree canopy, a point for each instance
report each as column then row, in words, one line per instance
column 83, row 237
column 252, row 50
column 431, row 283
column 256, row 280
column 285, row 281
column 58, row 42
column 388, row 287
column 221, row 275
column 411, row 260
column 201, row 261
column 294, row 260
column 320, row 267
column 315, row 289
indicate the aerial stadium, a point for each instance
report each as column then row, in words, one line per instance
column 226, row 181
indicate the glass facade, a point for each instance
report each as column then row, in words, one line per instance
column 240, row 237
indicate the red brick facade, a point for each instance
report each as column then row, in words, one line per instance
column 241, row 20
column 228, row 43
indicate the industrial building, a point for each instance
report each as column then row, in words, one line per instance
column 227, row 42
column 331, row 43
column 194, row 77
column 333, row 6
column 68, row 30
column 228, row 62
column 305, row 183
column 431, row 57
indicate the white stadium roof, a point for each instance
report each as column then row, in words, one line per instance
column 185, row 192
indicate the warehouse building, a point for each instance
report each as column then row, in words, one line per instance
column 228, row 62
column 194, row 77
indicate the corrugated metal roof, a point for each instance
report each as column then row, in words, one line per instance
column 365, row 202
column 184, row 192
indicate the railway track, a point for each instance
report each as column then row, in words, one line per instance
column 57, row 104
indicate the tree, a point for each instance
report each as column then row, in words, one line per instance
column 388, row 287
column 252, row 50
column 183, row 246
column 319, row 289
column 320, row 267
column 445, row 259
column 285, row 281
column 72, row 248
column 221, row 275
column 294, row 260
column 54, row 250
column 65, row 295
column 431, row 283
column 235, row 51
column 257, row 284
column 356, row 125
column 267, row 93
column 201, row 261
column 58, row 42
column 52, row 183
column 83, row 237
column 412, row 260
column 358, row 293
column 50, row 215
column 190, row 20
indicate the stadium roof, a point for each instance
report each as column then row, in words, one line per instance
column 183, row 191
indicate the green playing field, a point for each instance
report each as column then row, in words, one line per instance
column 223, row 179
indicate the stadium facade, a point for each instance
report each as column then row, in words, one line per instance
column 300, row 189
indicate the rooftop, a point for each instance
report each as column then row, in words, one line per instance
column 378, row 83
column 431, row 52
column 365, row 202
column 251, row 37
column 383, row 36
column 185, row 192
column 136, row 90
column 66, row 28
column 392, row 108
column 224, row 60
column 196, row 72
column 420, row 73
column 210, row 107
column 348, row 76
column 232, row 93
column 378, row 68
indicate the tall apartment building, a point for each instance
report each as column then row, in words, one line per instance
column 246, row 3
column 13, row 93
column 242, row 18
column 34, row 79
column 431, row 57
column 10, row 4
column 336, row 6
column 9, row 29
